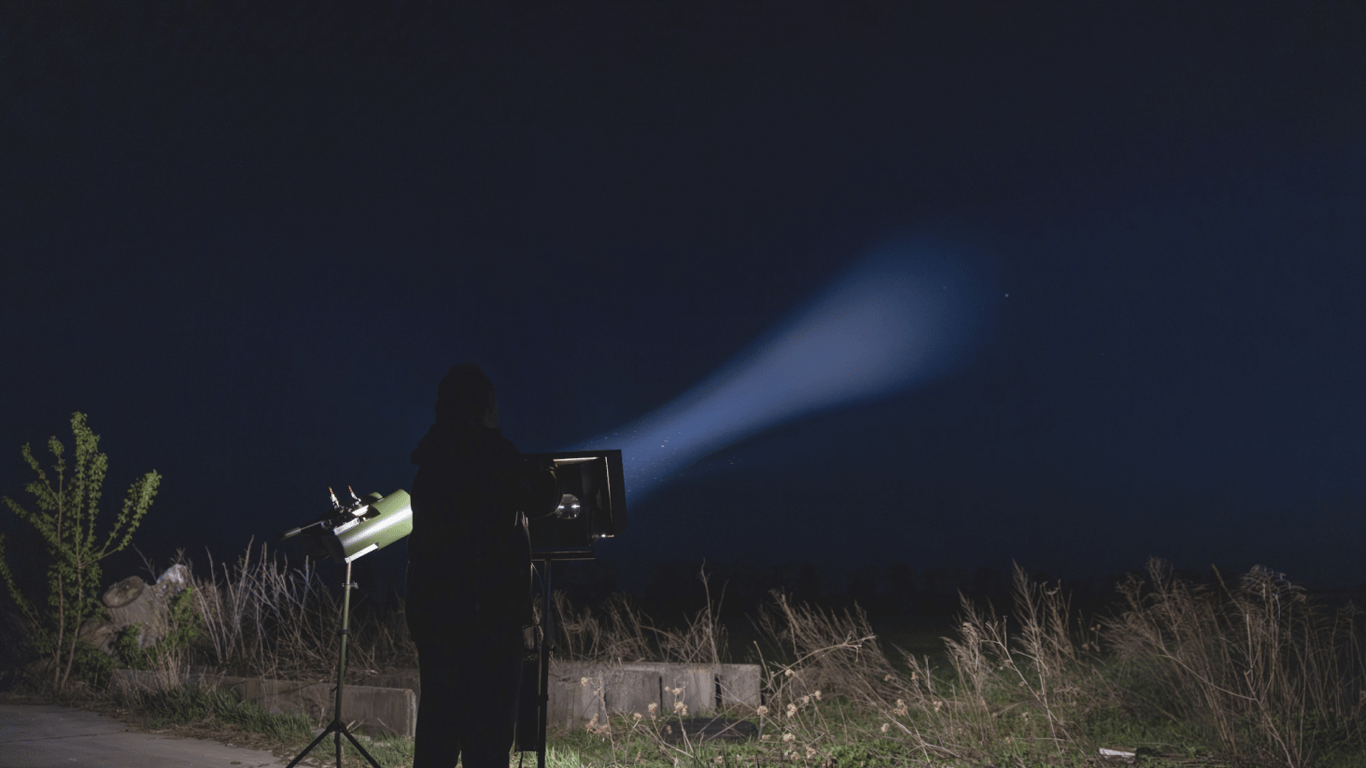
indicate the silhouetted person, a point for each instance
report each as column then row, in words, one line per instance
column 469, row 574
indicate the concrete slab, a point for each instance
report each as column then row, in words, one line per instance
column 44, row 735
column 581, row 690
column 741, row 685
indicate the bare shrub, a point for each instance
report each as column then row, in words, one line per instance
column 617, row 633
column 1257, row 664
column 265, row 617
column 834, row 652
column 621, row 632
column 1021, row 692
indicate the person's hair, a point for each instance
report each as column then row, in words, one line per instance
column 464, row 395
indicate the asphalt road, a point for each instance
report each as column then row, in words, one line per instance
column 44, row 735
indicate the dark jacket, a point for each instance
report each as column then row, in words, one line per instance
column 469, row 559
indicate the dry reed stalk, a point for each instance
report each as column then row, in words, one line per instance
column 1256, row 663
column 997, row 681
column 837, row 653
column 265, row 617
column 623, row 633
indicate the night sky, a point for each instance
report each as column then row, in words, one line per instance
column 249, row 241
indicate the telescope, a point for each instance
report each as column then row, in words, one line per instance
column 355, row 530
column 349, row 533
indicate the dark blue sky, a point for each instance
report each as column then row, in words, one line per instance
column 248, row 242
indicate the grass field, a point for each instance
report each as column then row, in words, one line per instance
column 1246, row 672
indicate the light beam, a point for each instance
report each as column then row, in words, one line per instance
column 898, row 318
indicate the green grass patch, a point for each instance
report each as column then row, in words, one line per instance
column 211, row 708
column 193, row 705
column 388, row 751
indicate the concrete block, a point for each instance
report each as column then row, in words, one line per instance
column 694, row 685
column 741, row 686
column 576, row 694
column 581, row 690
column 398, row 678
column 368, row 707
column 628, row 690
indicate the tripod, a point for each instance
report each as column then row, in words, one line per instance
column 534, row 702
column 338, row 727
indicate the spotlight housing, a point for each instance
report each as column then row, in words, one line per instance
column 592, row 504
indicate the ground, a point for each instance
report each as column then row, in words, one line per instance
column 211, row 729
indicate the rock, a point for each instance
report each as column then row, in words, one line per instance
column 124, row 592
column 133, row 601
column 99, row 633
column 174, row 580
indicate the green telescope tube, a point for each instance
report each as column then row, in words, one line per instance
column 389, row 519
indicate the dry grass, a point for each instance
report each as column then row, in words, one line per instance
column 832, row 695
column 1017, row 686
column 1252, row 670
column 1256, row 663
column 833, row 652
column 1245, row 674
column 620, row 632
column 264, row 616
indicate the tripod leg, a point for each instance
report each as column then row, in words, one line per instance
column 337, row 727
column 544, row 686
column 355, row 744
column 330, row 728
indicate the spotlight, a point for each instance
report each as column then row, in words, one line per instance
column 592, row 504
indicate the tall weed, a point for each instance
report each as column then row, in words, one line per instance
column 1018, row 686
column 620, row 632
column 264, row 616
column 1257, row 663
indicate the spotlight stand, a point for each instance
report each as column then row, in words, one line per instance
column 338, row 727
column 543, row 685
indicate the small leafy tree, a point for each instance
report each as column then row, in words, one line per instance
column 67, row 504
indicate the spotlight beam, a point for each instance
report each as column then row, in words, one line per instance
column 898, row 318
